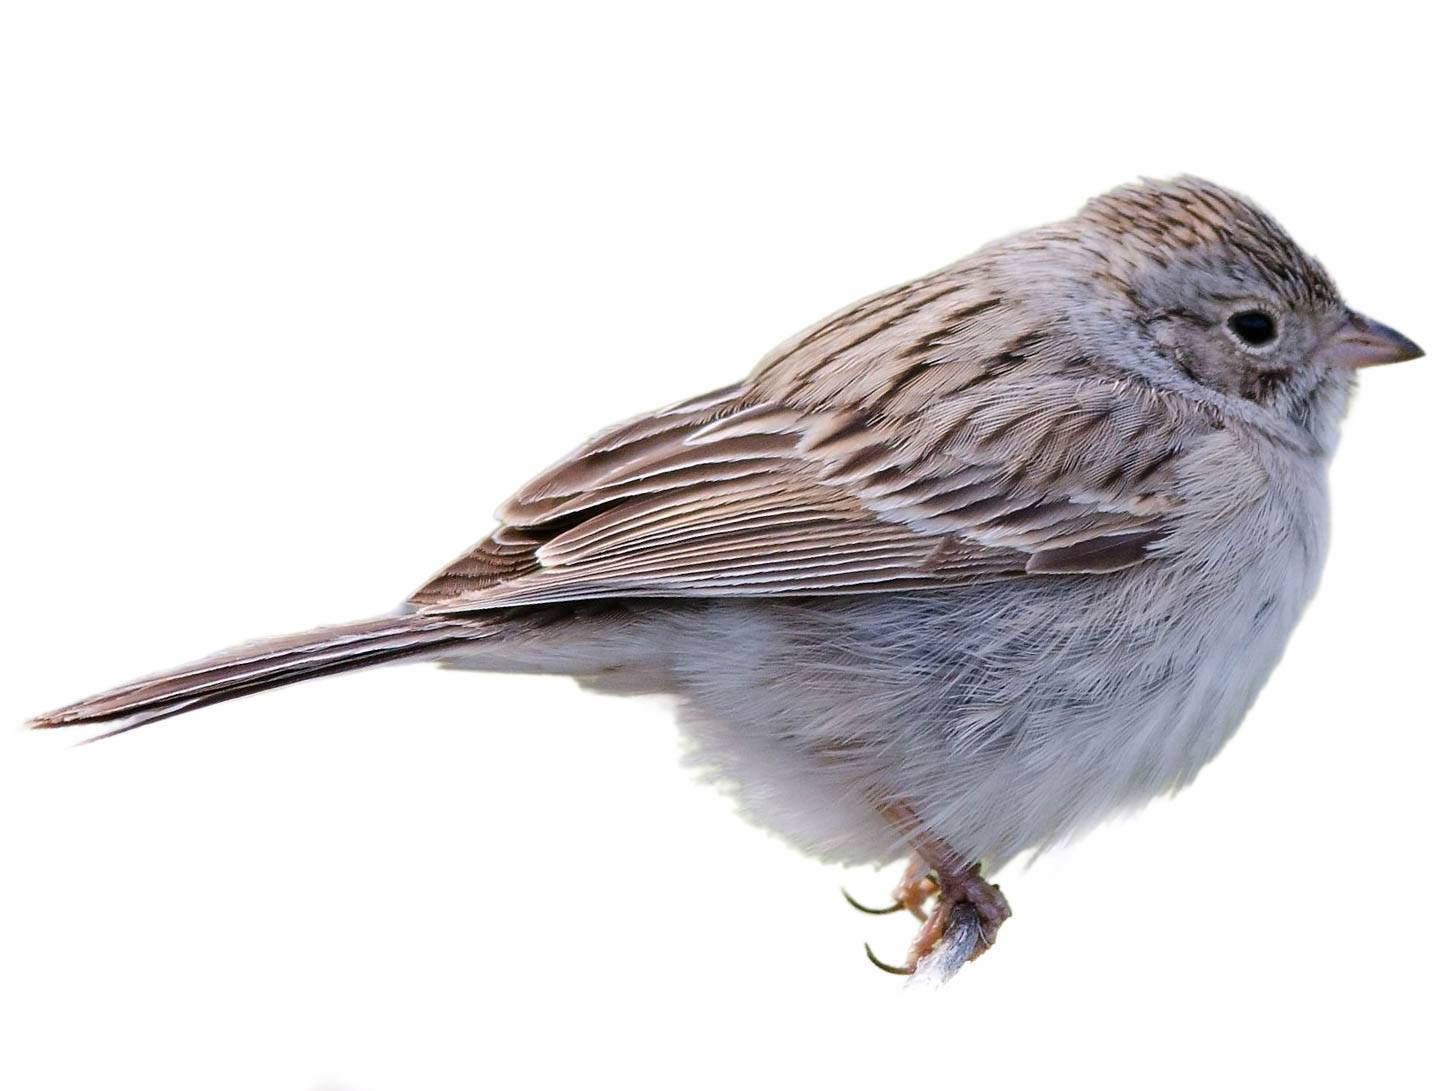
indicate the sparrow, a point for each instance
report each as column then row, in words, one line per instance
column 953, row 574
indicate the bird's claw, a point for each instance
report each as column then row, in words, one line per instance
column 897, row 907
column 962, row 926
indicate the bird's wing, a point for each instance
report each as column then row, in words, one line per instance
column 921, row 437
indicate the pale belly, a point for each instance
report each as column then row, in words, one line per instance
column 1004, row 716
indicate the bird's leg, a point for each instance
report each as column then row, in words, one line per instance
column 916, row 886
column 966, row 899
column 968, row 909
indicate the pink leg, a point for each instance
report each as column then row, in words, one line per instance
column 968, row 909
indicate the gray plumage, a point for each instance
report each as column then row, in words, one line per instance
column 959, row 570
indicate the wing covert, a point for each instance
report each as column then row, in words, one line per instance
column 922, row 437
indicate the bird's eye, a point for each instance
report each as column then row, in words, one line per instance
column 1253, row 327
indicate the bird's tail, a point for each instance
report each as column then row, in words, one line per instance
column 264, row 664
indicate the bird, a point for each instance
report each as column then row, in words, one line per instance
column 954, row 573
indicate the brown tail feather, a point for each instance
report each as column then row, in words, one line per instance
column 264, row 664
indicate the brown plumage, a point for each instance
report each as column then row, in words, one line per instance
column 929, row 434
column 960, row 569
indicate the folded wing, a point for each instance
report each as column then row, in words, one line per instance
column 922, row 437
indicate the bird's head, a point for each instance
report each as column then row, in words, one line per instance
column 1226, row 298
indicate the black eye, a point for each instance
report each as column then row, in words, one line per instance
column 1253, row 327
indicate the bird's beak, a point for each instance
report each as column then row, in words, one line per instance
column 1363, row 342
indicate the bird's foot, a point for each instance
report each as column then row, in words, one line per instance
column 967, row 914
column 968, row 903
column 917, row 886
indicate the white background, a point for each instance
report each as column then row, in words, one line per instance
column 294, row 294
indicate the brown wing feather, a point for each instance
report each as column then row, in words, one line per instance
column 921, row 437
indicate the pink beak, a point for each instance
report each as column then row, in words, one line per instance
column 1363, row 342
